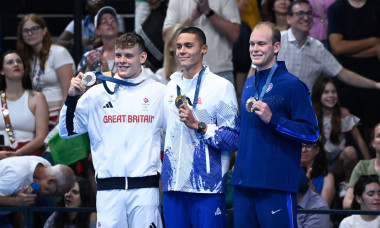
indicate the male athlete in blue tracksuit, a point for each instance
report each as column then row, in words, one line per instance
column 272, row 131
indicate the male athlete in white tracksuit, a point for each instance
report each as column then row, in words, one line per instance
column 124, row 130
column 199, row 138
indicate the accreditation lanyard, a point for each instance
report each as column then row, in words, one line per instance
column 195, row 101
column 118, row 82
column 269, row 78
column 7, row 121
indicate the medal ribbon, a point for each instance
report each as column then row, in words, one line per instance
column 269, row 78
column 7, row 120
column 195, row 101
column 114, row 80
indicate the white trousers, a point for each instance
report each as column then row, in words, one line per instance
column 133, row 208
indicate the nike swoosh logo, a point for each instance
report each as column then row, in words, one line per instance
column 248, row 86
column 274, row 212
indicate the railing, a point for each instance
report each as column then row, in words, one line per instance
column 29, row 212
column 338, row 212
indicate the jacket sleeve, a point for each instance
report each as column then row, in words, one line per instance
column 224, row 133
column 73, row 117
column 301, row 125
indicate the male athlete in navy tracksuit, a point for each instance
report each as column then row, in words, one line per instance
column 272, row 131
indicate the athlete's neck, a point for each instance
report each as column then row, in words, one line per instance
column 190, row 73
column 266, row 67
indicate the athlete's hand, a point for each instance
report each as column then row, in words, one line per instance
column 186, row 116
column 262, row 110
column 76, row 85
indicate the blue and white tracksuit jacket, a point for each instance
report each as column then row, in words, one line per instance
column 269, row 155
column 124, row 128
column 194, row 162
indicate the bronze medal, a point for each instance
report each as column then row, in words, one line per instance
column 249, row 104
column 180, row 100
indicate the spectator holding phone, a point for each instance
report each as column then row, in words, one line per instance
column 17, row 173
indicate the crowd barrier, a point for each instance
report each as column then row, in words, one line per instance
column 29, row 212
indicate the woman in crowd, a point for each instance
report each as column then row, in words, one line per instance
column 367, row 198
column 81, row 195
column 275, row 11
column 24, row 117
column 320, row 22
column 314, row 159
column 49, row 66
column 364, row 167
column 171, row 62
column 102, row 59
column 89, row 9
column 334, row 122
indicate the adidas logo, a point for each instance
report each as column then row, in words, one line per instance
column 152, row 225
column 108, row 105
column 218, row 212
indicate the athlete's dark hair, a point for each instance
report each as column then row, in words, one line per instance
column 197, row 32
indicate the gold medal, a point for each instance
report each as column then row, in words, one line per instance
column 180, row 100
column 249, row 104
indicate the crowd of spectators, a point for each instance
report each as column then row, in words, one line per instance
column 335, row 54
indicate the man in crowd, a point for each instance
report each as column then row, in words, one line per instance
column 306, row 57
column 309, row 200
column 355, row 41
column 19, row 172
column 220, row 21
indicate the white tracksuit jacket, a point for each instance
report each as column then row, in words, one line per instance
column 194, row 162
column 124, row 128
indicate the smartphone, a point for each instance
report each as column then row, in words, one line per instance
column 33, row 188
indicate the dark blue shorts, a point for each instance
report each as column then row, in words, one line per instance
column 264, row 208
column 194, row 210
